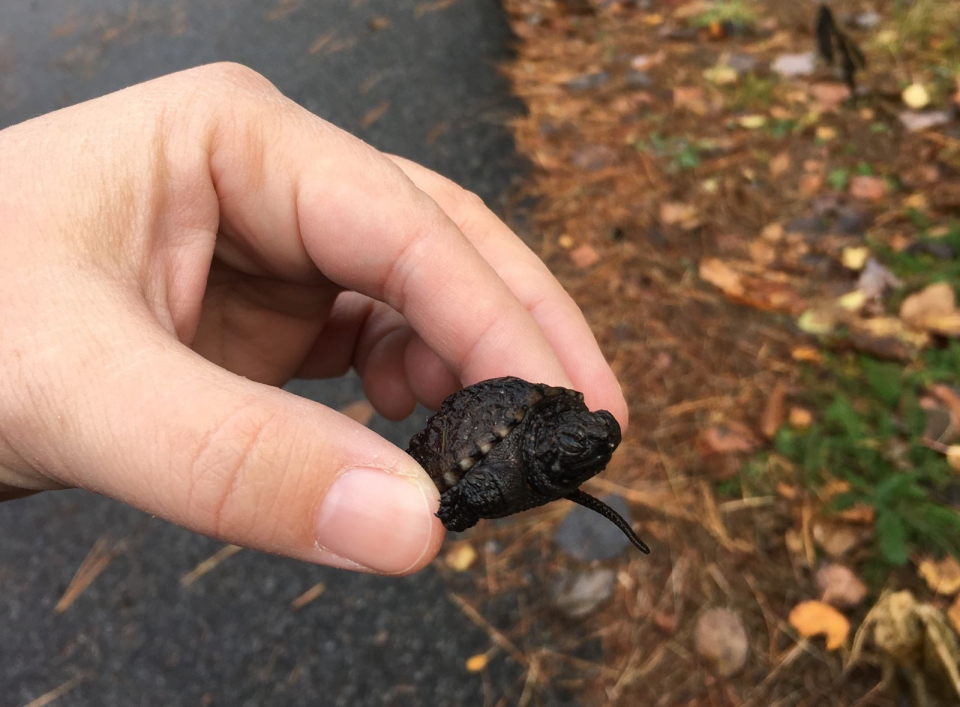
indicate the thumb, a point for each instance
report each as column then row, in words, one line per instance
column 167, row 431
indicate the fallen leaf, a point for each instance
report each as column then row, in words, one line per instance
column 916, row 96
column 946, row 395
column 476, row 663
column 792, row 65
column 585, row 256
column 836, row 538
column 810, row 184
column 772, row 232
column 772, row 417
column 852, row 301
column 673, row 213
column 935, row 301
column 826, row 133
column 690, row 98
column 854, row 258
column 953, row 457
column 779, row 165
column 721, row 276
column 730, row 437
column 721, row 640
column 722, row 75
column 942, row 577
column 867, row 188
column 829, row 96
column 807, row 354
column 814, row 618
column 753, row 122
column 566, row 242
column 359, row 411
column 378, row 23
column 840, row 587
column 461, row 557
column 917, row 122
column 761, row 252
column 800, row 418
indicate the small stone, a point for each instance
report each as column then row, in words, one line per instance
column 792, row 65
column 867, row 20
column 916, row 122
column 579, row 594
column 742, row 63
column 587, row 536
column 590, row 80
column 635, row 78
column 721, row 640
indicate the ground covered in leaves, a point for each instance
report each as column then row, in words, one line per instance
column 771, row 265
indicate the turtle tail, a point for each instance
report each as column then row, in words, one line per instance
column 598, row 506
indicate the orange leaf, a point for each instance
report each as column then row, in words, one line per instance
column 942, row 577
column 721, row 276
column 814, row 618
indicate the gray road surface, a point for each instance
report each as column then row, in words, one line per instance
column 135, row 636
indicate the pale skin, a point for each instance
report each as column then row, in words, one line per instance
column 174, row 252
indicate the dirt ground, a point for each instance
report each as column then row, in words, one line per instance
column 708, row 190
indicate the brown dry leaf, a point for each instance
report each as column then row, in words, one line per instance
column 722, row 640
column 461, row 557
column 673, row 213
column 359, row 411
column 810, row 184
column 772, row 232
column 730, row 437
column 943, row 577
column 814, row 618
column 721, row 276
column 934, row 300
column 378, row 23
column 772, row 417
column 779, row 165
column 840, row 586
column 867, row 188
column 585, row 256
column 835, row 537
column 800, row 418
column 829, row 96
column 946, row 395
column 807, row 354
column 953, row 613
column 860, row 514
column 761, row 252
column 691, row 98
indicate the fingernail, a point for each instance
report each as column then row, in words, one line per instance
column 381, row 521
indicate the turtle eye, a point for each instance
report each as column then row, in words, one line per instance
column 570, row 444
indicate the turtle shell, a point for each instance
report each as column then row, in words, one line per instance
column 472, row 421
column 505, row 445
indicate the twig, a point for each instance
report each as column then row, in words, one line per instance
column 208, row 564
column 495, row 635
column 57, row 692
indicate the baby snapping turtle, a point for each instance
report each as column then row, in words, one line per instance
column 505, row 445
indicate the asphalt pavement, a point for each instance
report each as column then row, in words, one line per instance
column 135, row 636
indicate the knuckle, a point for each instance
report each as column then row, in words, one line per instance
column 231, row 75
column 230, row 489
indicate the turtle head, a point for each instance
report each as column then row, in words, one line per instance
column 570, row 448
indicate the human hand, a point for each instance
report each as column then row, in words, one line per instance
column 174, row 251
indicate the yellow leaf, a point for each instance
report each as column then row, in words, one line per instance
column 566, row 242
column 916, row 96
column 721, row 276
column 942, row 577
column 752, row 122
column 854, row 258
column 476, row 663
column 826, row 133
column 953, row 457
column 721, row 75
column 814, row 618
column 852, row 301
column 461, row 557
